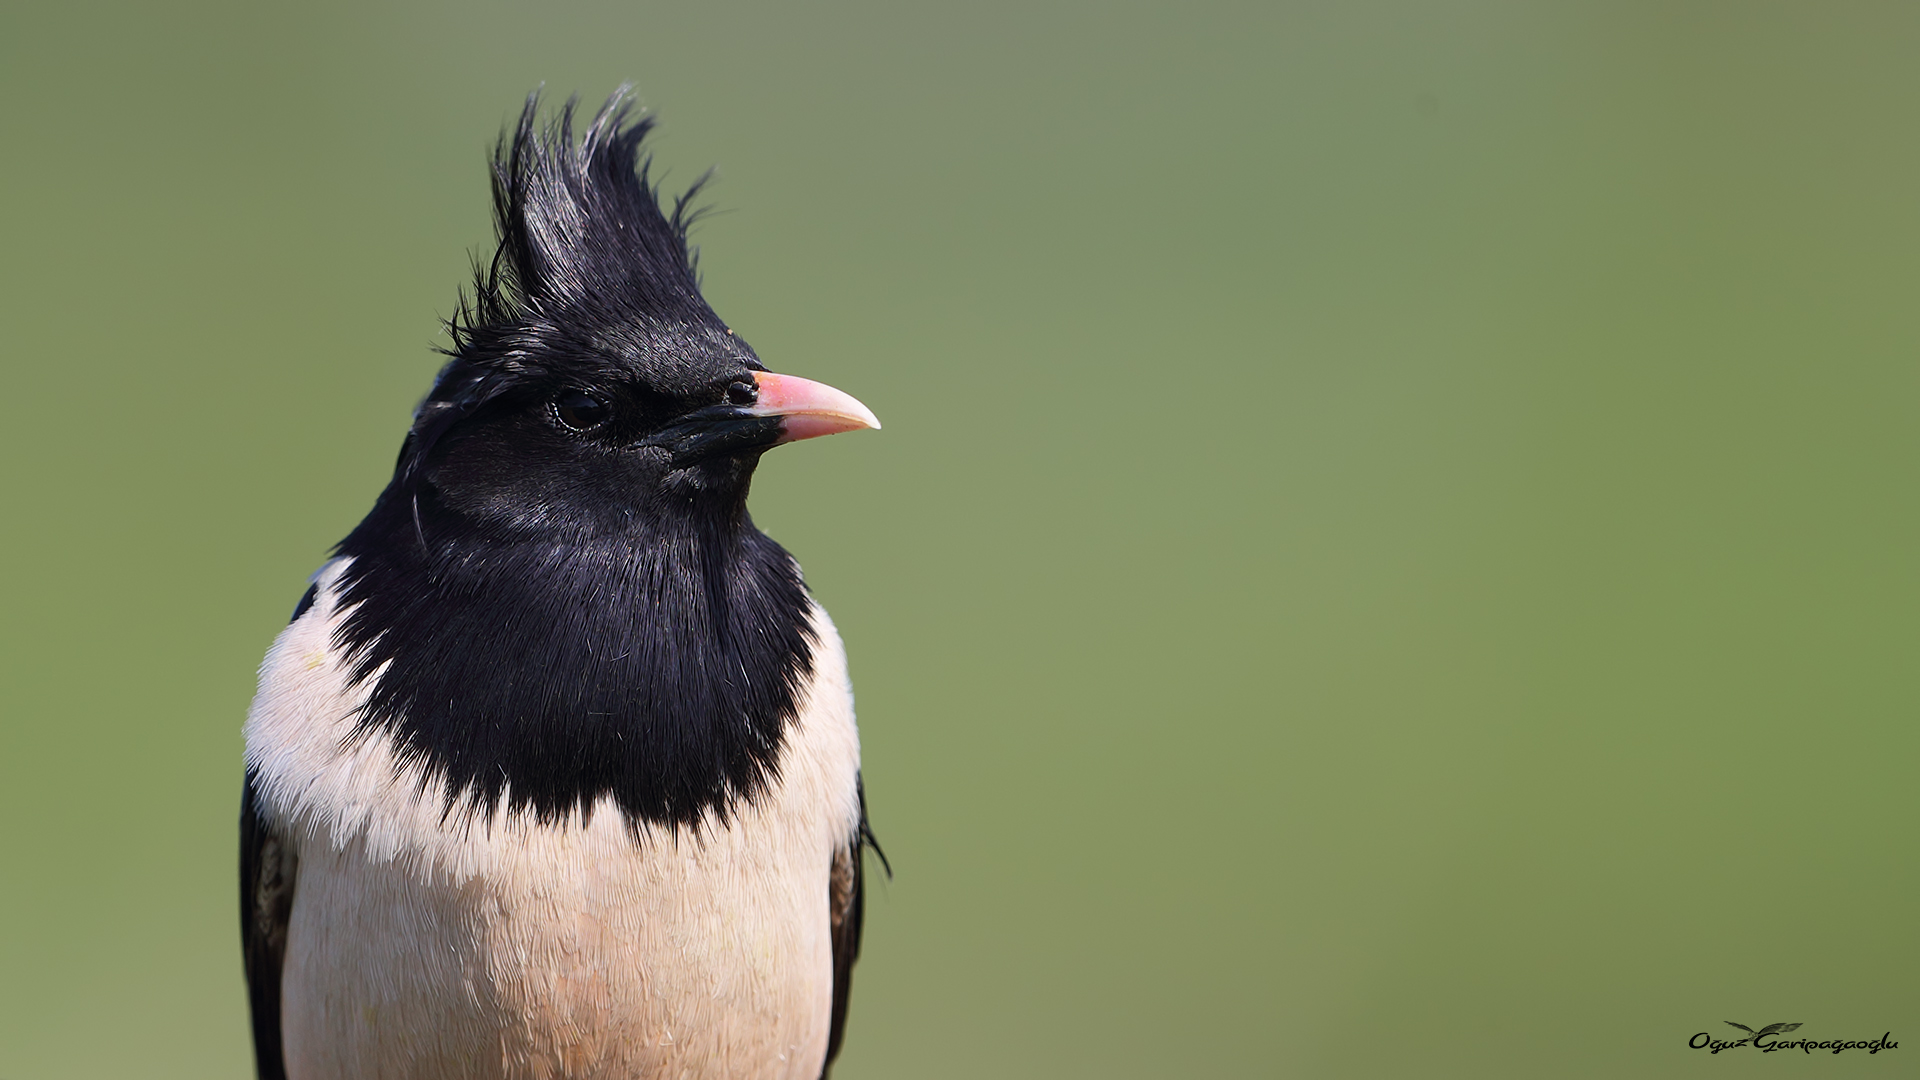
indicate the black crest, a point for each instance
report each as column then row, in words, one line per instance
column 546, row 617
column 587, row 270
column 580, row 227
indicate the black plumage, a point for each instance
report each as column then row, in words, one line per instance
column 268, row 871
column 552, row 617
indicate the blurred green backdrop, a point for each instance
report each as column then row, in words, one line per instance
column 1392, row 552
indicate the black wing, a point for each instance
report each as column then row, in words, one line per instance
column 846, row 900
column 267, row 871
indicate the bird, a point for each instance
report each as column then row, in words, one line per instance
column 1768, row 1030
column 554, row 772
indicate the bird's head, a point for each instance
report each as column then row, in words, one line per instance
column 590, row 385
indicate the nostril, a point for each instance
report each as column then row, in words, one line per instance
column 742, row 393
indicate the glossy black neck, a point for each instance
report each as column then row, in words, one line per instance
column 658, row 663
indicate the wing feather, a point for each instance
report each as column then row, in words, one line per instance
column 846, row 901
column 268, row 869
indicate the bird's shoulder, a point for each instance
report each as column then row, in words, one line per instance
column 324, row 773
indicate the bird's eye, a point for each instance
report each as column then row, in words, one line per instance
column 581, row 411
column 742, row 392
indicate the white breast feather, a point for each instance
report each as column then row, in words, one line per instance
column 425, row 944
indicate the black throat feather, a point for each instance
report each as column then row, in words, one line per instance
column 659, row 666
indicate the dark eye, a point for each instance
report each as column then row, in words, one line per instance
column 581, row 411
column 742, row 392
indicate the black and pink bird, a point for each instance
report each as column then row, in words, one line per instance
column 554, row 772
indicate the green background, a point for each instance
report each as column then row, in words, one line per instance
column 1392, row 552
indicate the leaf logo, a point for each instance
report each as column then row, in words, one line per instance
column 1770, row 1029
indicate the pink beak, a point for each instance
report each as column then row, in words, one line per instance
column 808, row 409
